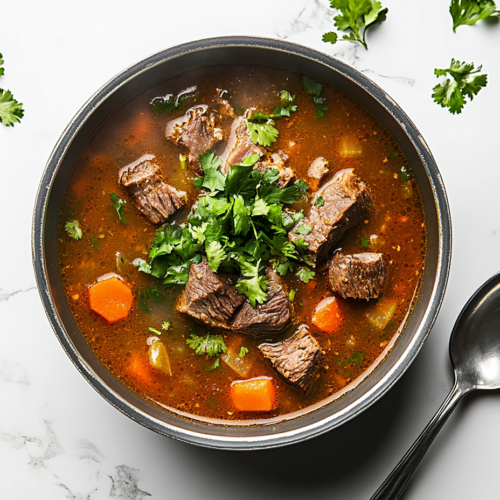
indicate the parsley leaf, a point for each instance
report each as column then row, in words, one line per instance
column 304, row 229
column 210, row 164
column 255, row 287
column 262, row 133
column 305, row 274
column 469, row 12
column 356, row 16
column 215, row 255
column 73, row 229
column 314, row 90
column 243, row 351
column 320, row 202
column 118, row 206
column 452, row 93
column 260, row 208
column 11, row 111
column 211, row 345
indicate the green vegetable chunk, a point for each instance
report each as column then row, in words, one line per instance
column 451, row 94
column 469, row 12
column 73, row 229
column 356, row 16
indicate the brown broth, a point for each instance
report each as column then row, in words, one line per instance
column 110, row 246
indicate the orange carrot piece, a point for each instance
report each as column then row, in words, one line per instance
column 255, row 394
column 140, row 368
column 327, row 316
column 111, row 298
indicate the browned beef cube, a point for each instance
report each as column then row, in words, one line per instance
column 347, row 202
column 210, row 297
column 197, row 130
column 277, row 161
column 153, row 197
column 297, row 359
column 239, row 146
column 359, row 276
column 271, row 316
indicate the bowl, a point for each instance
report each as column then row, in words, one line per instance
column 340, row 407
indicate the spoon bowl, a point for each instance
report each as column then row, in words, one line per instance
column 475, row 355
column 475, row 340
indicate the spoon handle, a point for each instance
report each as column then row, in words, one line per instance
column 394, row 486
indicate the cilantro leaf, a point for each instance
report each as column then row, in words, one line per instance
column 356, row 16
column 214, row 366
column 11, row 111
column 168, row 103
column 118, row 206
column 73, row 229
column 314, row 89
column 305, row 274
column 452, row 93
column 165, row 325
column 254, row 287
column 260, row 208
column 215, row 255
column 211, row 345
column 301, row 245
column 241, row 216
column 469, row 12
column 262, row 133
column 320, row 202
column 210, row 164
column 243, row 351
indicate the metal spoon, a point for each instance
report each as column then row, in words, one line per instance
column 475, row 355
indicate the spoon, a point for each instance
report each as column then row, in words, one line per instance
column 475, row 355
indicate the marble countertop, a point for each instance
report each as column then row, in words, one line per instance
column 60, row 440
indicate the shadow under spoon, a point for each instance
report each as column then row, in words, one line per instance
column 475, row 355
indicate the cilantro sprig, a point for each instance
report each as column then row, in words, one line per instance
column 356, row 16
column 465, row 82
column 239, row 225
column 469, row 12
column 168, row 103
column 72, row 227
column 11, row 111
column 118, row 204
column 314, row 90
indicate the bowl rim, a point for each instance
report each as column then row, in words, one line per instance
column 371, row 395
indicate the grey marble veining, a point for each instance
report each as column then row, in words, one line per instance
column 60, row 440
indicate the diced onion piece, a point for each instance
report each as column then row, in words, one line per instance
column 158, row 357
column 382, row 314
column 255, row 394
column 407, row 189
column 327, row 315
column 376, row 242
column 241, row 366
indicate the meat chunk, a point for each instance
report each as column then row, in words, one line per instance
column 347, row 202
column 197, row 130
column 271, row 316
column 297, row 359
column 277, row 161
column 360, row 276
column 239, row 146
column 317, row 169
column 153, row 197
column 209, row 297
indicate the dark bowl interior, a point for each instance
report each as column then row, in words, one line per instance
column 314, row 420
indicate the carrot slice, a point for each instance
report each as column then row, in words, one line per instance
column 327, row 316
column 255, row 394
column 111, row 298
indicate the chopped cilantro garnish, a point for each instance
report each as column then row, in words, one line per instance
column 305, row 274
column 320, row 202
column 365, row 242
column 239, row 226
column 154, row 330
column 452, row 93
column 118, row 206
column 356, row 16
column 168, row 103
column 211, row 345
column 314, row 89
column 405, row 176
column 165, row 325
column 304, row 229
column 214, row 366
column 355, row 359
column 243, row 351
column 73, row 229
column 469, row 12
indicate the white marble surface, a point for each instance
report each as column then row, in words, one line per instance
column 60, row 440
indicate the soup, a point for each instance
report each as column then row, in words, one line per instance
column 244, row 292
